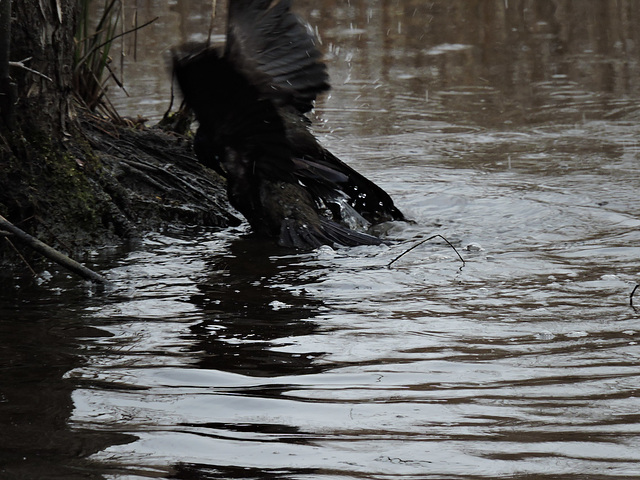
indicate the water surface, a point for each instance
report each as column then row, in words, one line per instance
column 510, row 128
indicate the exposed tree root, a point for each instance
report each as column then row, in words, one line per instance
column 154, row 179
column 108, row 184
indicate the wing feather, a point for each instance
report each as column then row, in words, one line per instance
column 276, row 51
column 232, row 112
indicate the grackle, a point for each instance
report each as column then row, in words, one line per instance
column 250, row 98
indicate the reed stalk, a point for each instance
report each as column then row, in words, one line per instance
column 91, row 67
column 91, row 71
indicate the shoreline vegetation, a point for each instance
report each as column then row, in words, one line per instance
column 98, row 179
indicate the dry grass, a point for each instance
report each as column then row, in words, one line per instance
column 97, row 30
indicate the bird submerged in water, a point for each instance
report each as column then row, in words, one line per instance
column 250, row 99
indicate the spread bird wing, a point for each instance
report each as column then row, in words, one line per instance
column 306, row 237
column 232, row 113
column 335, row 182
column 276, row 51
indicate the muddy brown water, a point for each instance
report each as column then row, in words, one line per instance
column 510, row 128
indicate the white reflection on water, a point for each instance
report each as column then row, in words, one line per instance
column 525, row 360
column 521, row 148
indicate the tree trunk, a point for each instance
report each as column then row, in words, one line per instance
column 43, row 32
column 34, row 160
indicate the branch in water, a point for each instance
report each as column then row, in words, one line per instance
column 420, row 243
column 51, row 253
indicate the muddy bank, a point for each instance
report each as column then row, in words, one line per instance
column 106, row 185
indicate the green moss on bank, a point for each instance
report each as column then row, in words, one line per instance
column 105, row 185
column 45, row 190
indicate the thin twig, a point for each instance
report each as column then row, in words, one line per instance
column 122, row 52
column 24, row 260
column 119, row 83
column 110, row 110
column 211, row 21
column 21, row 64
column 111, row 39
column 168, row 112
column 423, row 241
column 631, row 297
column 135, row 34
column 51, row 253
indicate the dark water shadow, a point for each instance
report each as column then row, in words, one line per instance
column 254, row 296
column 209, row 472
column 40, row 341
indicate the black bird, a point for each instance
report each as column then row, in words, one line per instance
column 250, row 99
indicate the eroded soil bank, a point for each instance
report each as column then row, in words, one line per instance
column 104, row 186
